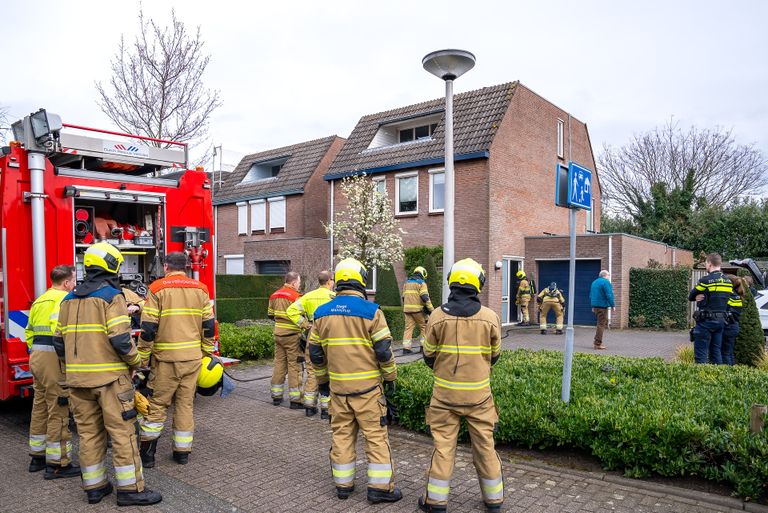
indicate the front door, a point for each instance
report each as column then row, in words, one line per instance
column 509, row 284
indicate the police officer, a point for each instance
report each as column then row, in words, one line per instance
column 94, row 339
column 302, row 313
column 731, row 328
column 49, row 436
column 177, row 330
column 523, row 299
column 463, row 341
column 350, row 347
column 711, row 294
column 287, row 336
column 416, row 306
column 551, row 299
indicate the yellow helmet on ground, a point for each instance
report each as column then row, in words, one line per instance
column 210, row 377
column 520, row 275
column 105, row 256
column 350, row 269
column 421, row 271
column 467, row 272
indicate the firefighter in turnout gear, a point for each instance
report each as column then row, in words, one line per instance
column 49, row 436
column 463, row 341
column 287, row 334
column 524, row 293
column 711, row 294
column 350, row 347
column 551, row 299
column 302, row 314
column 94, row 339
column 177, row 330
column 416, row 306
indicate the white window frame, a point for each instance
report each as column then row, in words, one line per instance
column 242, row 218
column 272, row 202
column 257, row 205
column 397, row 193
column 560, row 138
column 432, row 173
column 380, row 180
column 227, row 258
column 590, row 218
column 374, row 276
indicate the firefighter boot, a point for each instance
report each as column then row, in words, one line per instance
column 182, row 458
column 37, row 464
column 296, row 406
column 376, row 496
column 343, row 493
column 145, row 498
column 492, row 508
column 310, row 412
column 324, row 415
column 431, row 508
column 558, row 332
column 59, row 472
column 543, row 332
column 95, row 496
column 147, row 452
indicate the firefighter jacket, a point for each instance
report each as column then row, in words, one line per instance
column 551, row 296
column 131, row 298
column 279, row 302
column 302, row 311
column 524, row 290
column 416, row 296
column 177, row 323
column 350, row 345
column 716, row 289
column 460, row 351
column 94, row 338
column 43, row 318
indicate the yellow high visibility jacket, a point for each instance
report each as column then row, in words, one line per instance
column 302, row 311
column 43, row 318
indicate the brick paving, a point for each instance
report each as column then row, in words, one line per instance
column 250, row 456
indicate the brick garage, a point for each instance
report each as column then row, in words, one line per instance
column 616, row 252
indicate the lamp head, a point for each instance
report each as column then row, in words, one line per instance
column 448, row 64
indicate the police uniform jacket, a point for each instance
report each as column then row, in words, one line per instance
column 279, row 302
column 735, row 305
column 177, row 323
column 302, row 311
column 460, row 351
column 716, row 288
column 94, row 338
column 416, row 296
column 350, row 345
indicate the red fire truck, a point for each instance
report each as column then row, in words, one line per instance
column 64, row 187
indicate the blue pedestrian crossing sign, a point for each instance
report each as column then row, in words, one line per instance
column 579, row 186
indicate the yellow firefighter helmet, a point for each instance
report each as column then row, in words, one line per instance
column 105, row 256
column 350, row 269
column 210, row 377
column 520, row 275
column 467, row 272
column 421, row 271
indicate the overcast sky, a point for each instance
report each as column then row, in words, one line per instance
column 298, row 70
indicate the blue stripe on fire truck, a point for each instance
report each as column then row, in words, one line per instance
column 17, row 321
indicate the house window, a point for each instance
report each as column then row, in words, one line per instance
column 242, row 218
column 417, row 132
column 372, row 284
column 591, row 218
column 560, row 137
column 277, row 214
column 436, row 190
column 264, row 170
column 381, row 185
column 407, row 130
column 407, row 194
column 234, row 264
column 273, row 267
column 258, row 216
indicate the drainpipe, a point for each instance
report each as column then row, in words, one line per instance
column 610, row 268
column 36, row 165
column 332, row 227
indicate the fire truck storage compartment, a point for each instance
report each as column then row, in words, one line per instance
column 134, row 228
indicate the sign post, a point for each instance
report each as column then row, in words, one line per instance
column 579, row 196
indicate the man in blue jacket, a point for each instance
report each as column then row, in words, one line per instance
column 601, row 299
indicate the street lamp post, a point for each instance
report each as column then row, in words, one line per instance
column 448, row 65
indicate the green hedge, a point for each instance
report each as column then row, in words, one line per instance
column 658, row 293
column 249, row 342
column 434, row 281
column 235, row 309
column 642, row 415
column 387, row 288
column 395, row 321
column 750, row 342
column 417, row 255
column 247, row 285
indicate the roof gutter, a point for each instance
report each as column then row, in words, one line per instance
column 225, row 201
column 407, row 165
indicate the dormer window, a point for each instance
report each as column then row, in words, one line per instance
column 416, row 133
column 406, row 131
column 264, row 170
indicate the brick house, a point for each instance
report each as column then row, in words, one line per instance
column 269, row 211
column 507, row 142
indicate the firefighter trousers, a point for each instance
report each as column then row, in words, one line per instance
column 172, row 383
column 49, row 433
column 102, row 410
column 349, row 415
column 523, row 302
column 555, row 307
column 286, row 352
column 444, row 421
column 310, row 385
column 412, row 320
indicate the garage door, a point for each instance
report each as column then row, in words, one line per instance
column 586, row 272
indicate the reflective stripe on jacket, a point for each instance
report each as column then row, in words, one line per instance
column 43, row 317
column 177, row 322
column 416, row 296
column 302, row 311
column 552, row 297
column 279, row 302
column 716, row 289
column 524, row 289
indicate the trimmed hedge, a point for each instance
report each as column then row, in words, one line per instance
column 246, row 285
column 248, row 342
column 750, row 342
column 235, row 309
column 642, row 415
column 395, row 321
column 417, row 255
column 656, row 294
column 434, row 281
column 387, row 288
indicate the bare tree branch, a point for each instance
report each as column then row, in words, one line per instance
column 5, row 124
column 156, row 87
